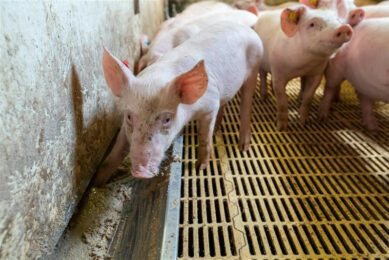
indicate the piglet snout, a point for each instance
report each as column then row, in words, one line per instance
column 344, row 33
column 356, row 16
column 141, row 172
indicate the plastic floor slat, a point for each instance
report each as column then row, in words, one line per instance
column 315, row 192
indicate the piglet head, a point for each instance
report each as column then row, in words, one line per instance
column 319, row 32
column 151, row 116
column 348, row 12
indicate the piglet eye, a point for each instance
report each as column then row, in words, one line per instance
column 312, row 25
column 166, row 118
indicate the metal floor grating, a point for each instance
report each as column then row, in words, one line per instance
column 316, row 192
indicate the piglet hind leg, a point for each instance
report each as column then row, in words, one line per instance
column 311, row 84
column 337, row 93
column 302, row 88
column 331, row 92
column 246, row 104
column 206, row 127
column 279, row 86
column 263, row 84
column 333, row 81
column 113, row 160
column 368, row 118
column 219, row 118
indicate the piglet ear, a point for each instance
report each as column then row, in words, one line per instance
column 341, row 8
column 314, row 4
column 117, row 75
column 191, row 85
column 252, row 9
column 290, row 19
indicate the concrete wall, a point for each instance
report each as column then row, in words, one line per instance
column 57, row 115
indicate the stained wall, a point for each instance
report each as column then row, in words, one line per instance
column 57, row 116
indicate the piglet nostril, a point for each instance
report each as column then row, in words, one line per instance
column 343, row 34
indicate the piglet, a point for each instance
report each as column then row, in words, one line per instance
column 365, row 63
column 193, row 11
column 260, row 5
column 376, row 11
column 346, row 9
column 189, row 83
column 297, row 43
column 349, row 13
column 176, row 36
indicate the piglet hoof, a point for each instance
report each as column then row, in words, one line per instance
column 323, row 116
column 282, row 125
column 205, row 153
column 264, row 96
column 201, row 165
column 323, row 112
column 303, row 120
column 244, row 142
column 370, row 124
column 244, row 146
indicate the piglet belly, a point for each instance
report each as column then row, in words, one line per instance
column 368, row 67
column 374, row 84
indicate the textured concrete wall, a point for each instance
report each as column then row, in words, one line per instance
column 57, row 115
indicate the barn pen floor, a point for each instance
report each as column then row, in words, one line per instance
column 317, row 192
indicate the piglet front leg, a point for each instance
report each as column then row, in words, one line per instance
column 113, row 160
column 263, row 84
column 302, row 88
column 311, row 83
column 282, row 102
column 219, row 118
column 368, row 118
column 246, row 104
column 206, row 126
column 334, row 77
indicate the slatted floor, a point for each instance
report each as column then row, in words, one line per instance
column 314, row 192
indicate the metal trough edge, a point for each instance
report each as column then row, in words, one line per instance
column 172, row 214
column 149, row 223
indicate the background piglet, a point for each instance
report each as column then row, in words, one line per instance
column 365, row 63
column 261, row 5
column 193, row 11
column 351, row 14
column 376, row 11
column 190, row 82
column 174, row 37
column 346, row 9
column 297, row 43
